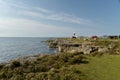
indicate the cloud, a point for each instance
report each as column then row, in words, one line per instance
column 57, row 17
column 68, row 18
column 38, row 12
column 42, row 10
column 24, row 27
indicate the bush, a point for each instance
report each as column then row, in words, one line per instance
column 2, row 74
column 15, row 64
column 29, row 76
column 18, row 70
column 58, row 64
column 17, row 77
column 38, row 68
column 53, row 76
column 41, row 68
column 76, row 60
column 65, row 57
column 41, row 76
column 70, row 73
column 6, row 73
column 1, row 66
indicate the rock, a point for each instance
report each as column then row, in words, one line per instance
column 53, row 45
column 111, row 45
column 103, row 49
column 69, row 47
column 85, row 47
column 89, row 49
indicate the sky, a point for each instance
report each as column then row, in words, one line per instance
column 59, row 18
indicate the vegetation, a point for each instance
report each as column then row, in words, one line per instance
column 68, row 66
column 106, row 67
column 47, row 67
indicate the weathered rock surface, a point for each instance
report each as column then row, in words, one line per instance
column 85, row 48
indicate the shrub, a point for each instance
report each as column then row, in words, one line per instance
column 53, row 76
column 41, row 68
column 65, row 57
column 26, row 63
column 58, row 64
column 6, row 73
column 69, row 74
column 15, row 64
column 50, row 61
column 29, row 76
column 76, row 60
column 2, row 74
column 38, row 68
column 17, row 77
column 41, row 76
column 18, row 70
column 1, row 66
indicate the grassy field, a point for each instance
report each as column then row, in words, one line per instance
column 106, row 67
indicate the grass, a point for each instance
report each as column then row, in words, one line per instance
column 106, row 67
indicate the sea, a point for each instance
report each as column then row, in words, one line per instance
column 15, row 47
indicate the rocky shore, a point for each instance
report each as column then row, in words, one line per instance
column 43, row 67
column 85, row 46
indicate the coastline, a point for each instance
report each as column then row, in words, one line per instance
column 31, row 56
column 42, row 67
column 11, row 48
column 62, row 65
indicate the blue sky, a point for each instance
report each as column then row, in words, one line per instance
column 59, row 18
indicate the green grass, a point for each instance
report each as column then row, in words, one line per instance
column 101, row 68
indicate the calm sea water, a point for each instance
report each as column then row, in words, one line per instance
column 11, row 48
